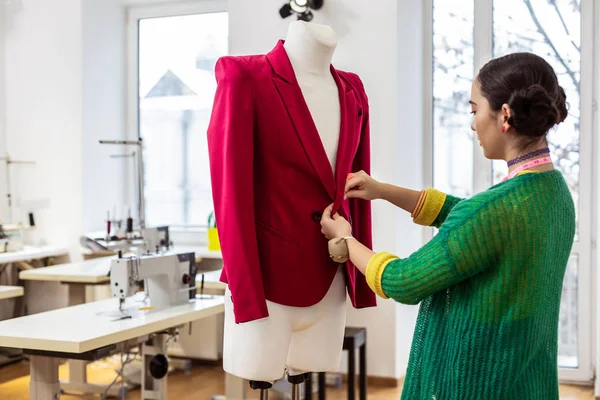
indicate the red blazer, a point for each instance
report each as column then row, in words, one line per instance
column 271, row 180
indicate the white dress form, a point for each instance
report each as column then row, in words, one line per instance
column 297, row 339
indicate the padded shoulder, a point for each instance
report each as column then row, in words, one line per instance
column 238, row 68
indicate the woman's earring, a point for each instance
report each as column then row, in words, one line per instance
column 503, row 129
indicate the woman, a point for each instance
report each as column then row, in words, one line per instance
column 490, row 280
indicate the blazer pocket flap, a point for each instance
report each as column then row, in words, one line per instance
column 276, row 233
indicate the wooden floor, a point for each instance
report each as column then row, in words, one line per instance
column 201, row 384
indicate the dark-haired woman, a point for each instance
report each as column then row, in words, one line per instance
column 490, row 280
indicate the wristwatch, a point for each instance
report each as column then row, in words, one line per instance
column 338, row 249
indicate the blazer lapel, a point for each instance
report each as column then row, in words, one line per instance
column 349, row 115
column 292, row 97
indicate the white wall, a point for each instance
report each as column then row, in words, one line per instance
column 376, row 44
column 44, row 109
column 65, row 81
column 65, row 74
column 103, row 109
column 3, row 30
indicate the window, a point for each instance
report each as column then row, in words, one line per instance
column 552, row 30
column 464, row 37
column 453, row 65
column 177, row 48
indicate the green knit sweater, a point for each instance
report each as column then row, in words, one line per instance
column 490, row 285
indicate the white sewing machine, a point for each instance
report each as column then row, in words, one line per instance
column 167, row 279
column 11, row 237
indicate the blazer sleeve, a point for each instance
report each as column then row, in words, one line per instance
column 360, row 210
column 231, row 157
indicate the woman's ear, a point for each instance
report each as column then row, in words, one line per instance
column 504, row 117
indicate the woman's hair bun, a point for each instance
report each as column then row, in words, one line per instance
column 561, row 104
column 534, row 111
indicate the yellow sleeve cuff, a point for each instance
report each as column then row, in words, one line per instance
column 434, row 201
column 375, row 269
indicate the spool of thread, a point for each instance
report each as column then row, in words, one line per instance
column 129, row 225
column 31, row 220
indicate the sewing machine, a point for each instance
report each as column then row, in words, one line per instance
column 167, row 279
column 11, row 238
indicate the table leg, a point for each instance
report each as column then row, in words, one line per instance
column 78, row 371
column 363, row 372
column 351, row 373
column 76, row 294
column 322, row 387
column 152, row 388
column 308, row 387
column 77, row 368
column 44, row 383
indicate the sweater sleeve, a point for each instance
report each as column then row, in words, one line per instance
column 468, row 242
column 436, row 208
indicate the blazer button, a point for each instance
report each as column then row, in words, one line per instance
column 316, row 216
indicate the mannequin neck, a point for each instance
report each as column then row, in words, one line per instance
column 310, row 47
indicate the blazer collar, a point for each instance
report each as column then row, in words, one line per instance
column 282, row 66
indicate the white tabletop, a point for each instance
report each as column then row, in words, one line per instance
column 92, row 271
column 86, row 327
column 32, row 253
column 8, row 292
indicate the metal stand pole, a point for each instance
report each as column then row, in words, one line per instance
column 140, row 171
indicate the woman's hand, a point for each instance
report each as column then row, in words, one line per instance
column 360, row 185
column 334, row 226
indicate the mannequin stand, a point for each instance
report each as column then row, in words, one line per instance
column 296, row 381
column 263, row 387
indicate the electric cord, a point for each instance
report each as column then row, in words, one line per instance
column 119, row 374
column 167, row 342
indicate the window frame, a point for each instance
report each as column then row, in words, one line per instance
column 588, row 196
column 187, row 234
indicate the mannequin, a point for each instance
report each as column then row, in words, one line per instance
column 303, row 339
column 316, row 125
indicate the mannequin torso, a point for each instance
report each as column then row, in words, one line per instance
column 310, row 49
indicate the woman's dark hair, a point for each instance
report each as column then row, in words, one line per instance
column 528, row 84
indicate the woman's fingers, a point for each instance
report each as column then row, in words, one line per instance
column 327, row 212
column 354, row 182
column 355, row 194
